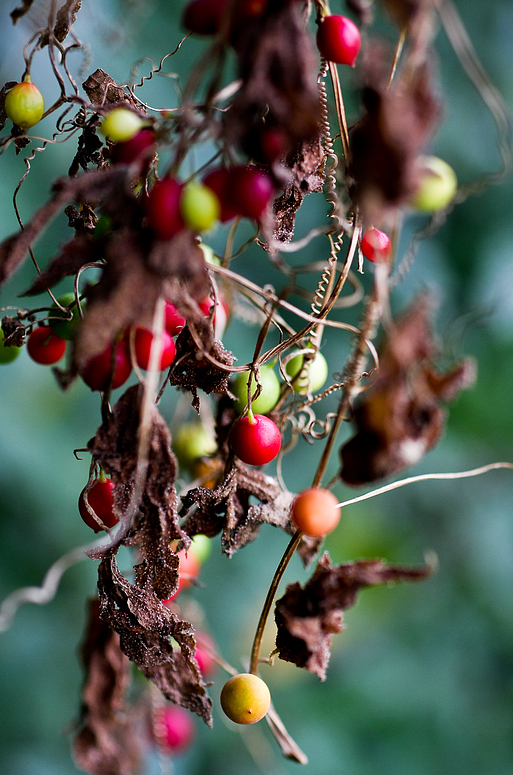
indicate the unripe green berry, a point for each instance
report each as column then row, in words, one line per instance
column 317, row 373
column 24, row 104
column 245, row 698
column 199, row 206
column 268, row 397
column 8, row 353
column 437, row 185
column 120, row 125
column 66, row 328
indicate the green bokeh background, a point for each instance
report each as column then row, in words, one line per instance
column 421, row 680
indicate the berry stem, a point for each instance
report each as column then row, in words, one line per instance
column 280, row 570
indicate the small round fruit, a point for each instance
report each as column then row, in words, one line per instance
column 66, row 328
column 163, row 208
column 255, row 440
column 315, row 512
column 189, row 568
column 139, row 144
column 317, row 373
column 204, row 17
column 252, row 191
column 437, row 185
column 204, row 657
column 44, row 347
column 201, row 547
column 121, row 125
column 245, row 698
column 220, row 181
column 174, row 321
column 376, row 245
column 191, row 442
column 142, row 344
column 199, row 206
column 267, row 399
column 338, row 40
column 174, row 729
column 100, row 500
column 220, row 315
column 24, row 104
column 8, row 353
column 97, row 372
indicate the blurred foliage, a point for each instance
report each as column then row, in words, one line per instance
column 421, row 681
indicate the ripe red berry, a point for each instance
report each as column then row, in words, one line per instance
column 220, row 181
column 100, row 500
column 174, row 321
column 174, row 729
column 315, row 512
column 163, row 208
column 45, row 347
column 251, row 191
column 204, row 658
column 97, row 372
column 255, row 440
column 220, row 316
column 142, row 344
column 376, row 245
column 338, row 40
column 129, row 151
column 189, row 568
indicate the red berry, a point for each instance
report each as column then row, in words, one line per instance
column 220, row 181
column 220, row 316
column 338, row 40
column 204, row 658
column 174, row 729
column 129, row 151
column 376, row 245
column 256, row 440
column 163, row 208
column 97, row 372
column 204, row 17
column 315, row 512
column 174, row 320
column 251, row 191
column 142, row 344
column 100, row 500
column 45, row 347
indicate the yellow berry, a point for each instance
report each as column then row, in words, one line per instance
column 120, row 125
column 24, row 104
column 245, row 698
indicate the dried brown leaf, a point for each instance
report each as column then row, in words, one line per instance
column 308, row 617
column 66, row 17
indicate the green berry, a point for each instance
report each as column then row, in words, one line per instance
column 8, row 353
column 24, row 104
column 245, row 698
column 199, row 206
column 66, row 328
column 317, row 373
column 120, row 125
column 269, row 396
column 192, row 441
column 437, row 185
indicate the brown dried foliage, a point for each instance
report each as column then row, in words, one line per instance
column 308, row 617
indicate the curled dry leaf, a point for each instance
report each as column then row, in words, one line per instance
column 308, row 617
column 399, row 417
column 278, row 68
column 145, row 628
column 107, row 741
column 66, row 17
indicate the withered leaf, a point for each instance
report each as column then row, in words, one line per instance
column 89, row 145
column 115, row 449
column 66, row 17
column 227, row 508
column 399, row 417
column 102, row 89
column 308, row 617
column 278, row 68
column 107, row 742
column 3, row 92
column 386, row 143
column 145, row 627
column 72, row 256
column 13, row 332
column 306, row 177
column 21, row 10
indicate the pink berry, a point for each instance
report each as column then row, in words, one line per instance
column 174, row 321
column 376, row 245
column 45, row 347
column 129, row 151
column 204, row 658
column 220, row 181
column 174, row 729
column 338, row 40
column 251, row 191
column 163, row 208
column 142, row 345
column 220, row 316
column 97, row 372
column 100, row 500
column 256, row 440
